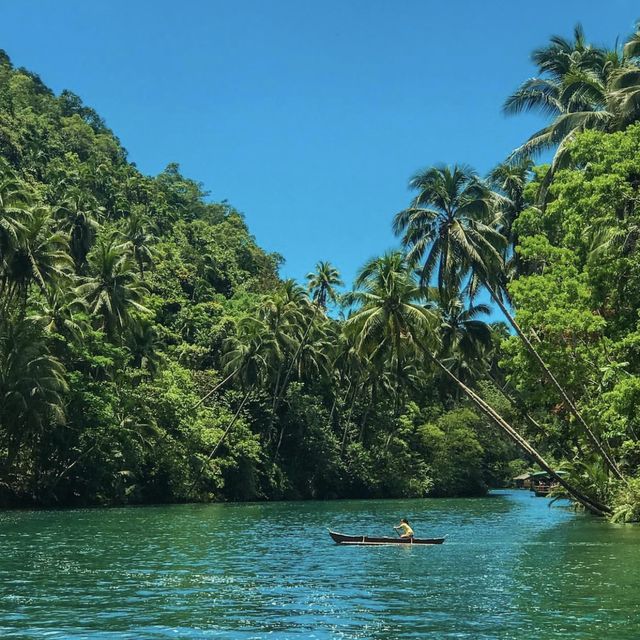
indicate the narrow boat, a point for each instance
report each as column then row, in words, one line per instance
column 340, row 538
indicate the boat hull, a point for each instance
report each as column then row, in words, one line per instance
column 340, row 538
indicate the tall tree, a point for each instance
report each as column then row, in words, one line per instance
column 39, row 258
column 14, row 213
column 32, row 384
column 79, row 216
column 510, row 180
column 321, row 284
column 112, row 290
column 465, row 338
column 448, row 226
column 579, row 87
column 389, row 311
column 139, row 240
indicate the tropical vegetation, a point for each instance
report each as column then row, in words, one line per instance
column 150, row 351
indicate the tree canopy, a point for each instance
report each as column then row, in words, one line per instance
column 150, row 351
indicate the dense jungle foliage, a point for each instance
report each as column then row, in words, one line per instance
column 127, row 300
column 149, row 350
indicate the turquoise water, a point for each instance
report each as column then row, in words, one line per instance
column 511, row 568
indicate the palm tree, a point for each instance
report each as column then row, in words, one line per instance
column 143, row 346
column 314, row 360
column 441, row 229
column 632, row 45
column 390, row 309
column 284, row 314
column 14, row 214
column 39, row 258
column 79, row 216
column 278, row 316
column 112, row 290
column 460, row 328
column 32, row 384
column 61, row 311
column 579, row 87
column 465, row 338
column 588, row 502
column 569, row 88
column 351, row 369
column 139, row 241
column 624, row 81
column 510, row 180
column 252, row 354
column 249, row 357
column 389, row 312
column 321, row 285
column 448, row 227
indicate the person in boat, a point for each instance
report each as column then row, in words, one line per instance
column 405, row 530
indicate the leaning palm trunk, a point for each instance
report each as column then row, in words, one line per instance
column 276, row 389
column 519, row 406
column 589, row 503
column 283, row 386
column 70, row 466
column 236, row 415
column 344, row 430
column 210, row 393
column 609, row 461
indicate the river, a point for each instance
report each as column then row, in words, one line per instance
column 512, row 567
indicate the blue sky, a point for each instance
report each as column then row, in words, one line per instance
column 309, row 117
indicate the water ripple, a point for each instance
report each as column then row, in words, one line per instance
column 511, row 568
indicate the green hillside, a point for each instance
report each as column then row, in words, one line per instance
column 150, row 351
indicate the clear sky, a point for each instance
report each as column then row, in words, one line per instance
column 307, row 116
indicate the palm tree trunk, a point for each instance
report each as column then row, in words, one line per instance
column 363, row 424
column 236, row 415
column 520, row 408
column 280, row 436
column 275, row 390
column 589, row 503
column 353, row 389
column 283, row 386
column 333, row 407
column 8, row 299
column 210, row 393
column 516, row 404
column 609, row 461
column 344, row 437
column 334, row 404
column 70, row 466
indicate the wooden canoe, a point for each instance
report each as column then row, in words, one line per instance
column 340, row 538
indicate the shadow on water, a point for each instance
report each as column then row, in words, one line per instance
column 511, row 568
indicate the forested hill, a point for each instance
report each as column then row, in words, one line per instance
column 149, row 350
column 126, row 299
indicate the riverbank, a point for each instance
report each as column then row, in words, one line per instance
column 37, row 506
